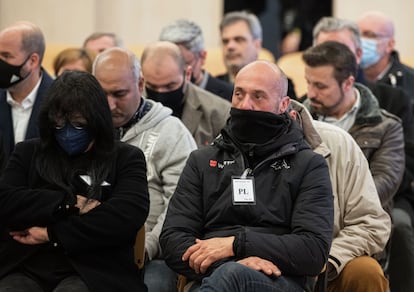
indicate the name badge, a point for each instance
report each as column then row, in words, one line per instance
column 243, row 191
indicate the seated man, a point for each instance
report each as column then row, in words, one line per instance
column 164, row 139
column 167, row 80
column 254, row 210
column 362, row 227
column 334, row 97
column 381, row 61
column 187, row 35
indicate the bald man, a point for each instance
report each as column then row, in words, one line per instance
column 380, row 58
column 164, row 139
column 253, row 211
column 167, row 80
column 23, row 82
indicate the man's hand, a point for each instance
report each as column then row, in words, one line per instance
column 259, row 264
column 31, row 236
column 85, row 205
column 205, row 252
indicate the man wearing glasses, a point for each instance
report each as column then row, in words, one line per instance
column 380, row 60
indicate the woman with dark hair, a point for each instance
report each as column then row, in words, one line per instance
column 72, row 201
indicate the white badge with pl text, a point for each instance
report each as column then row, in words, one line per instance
column 243, row 190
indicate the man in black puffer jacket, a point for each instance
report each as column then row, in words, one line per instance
column 254, row 210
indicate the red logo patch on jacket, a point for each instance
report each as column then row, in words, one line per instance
column 213, row 163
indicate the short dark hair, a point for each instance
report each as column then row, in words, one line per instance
column 335, row 54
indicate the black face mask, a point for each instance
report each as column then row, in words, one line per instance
column 172, row 99
column 257, row 127
column 10, row 74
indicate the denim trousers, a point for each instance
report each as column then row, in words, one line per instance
column 233, row 277
column 159, row 277
column 18, row 282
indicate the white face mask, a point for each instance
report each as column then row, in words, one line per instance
column 370, row 53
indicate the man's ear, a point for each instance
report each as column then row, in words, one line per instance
column 141, row 84
column 390, row 45
column 187, row 73
column 203, row 55
column 348, row 83
column 284, row 104
column 35, row 60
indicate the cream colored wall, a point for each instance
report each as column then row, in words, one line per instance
column 401, row 11
column 135, row 21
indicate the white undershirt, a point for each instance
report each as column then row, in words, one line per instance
column 348, row 119
column 21, row 112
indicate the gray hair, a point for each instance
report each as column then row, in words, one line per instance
column 97, row 35
column 251, row 20
column 186, row 33
column 333, row 24
column 33, row 40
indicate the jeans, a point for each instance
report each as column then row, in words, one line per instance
column 159, row 277
column 234, row 277
column 401, row 268
column 19, row 282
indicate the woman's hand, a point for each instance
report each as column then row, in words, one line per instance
column 33, row 235
column 85, row 205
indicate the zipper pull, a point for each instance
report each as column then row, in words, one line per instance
column 246, row 172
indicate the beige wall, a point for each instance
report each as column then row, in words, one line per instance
column 401, row 11
column 140, row 21
column 136, row 21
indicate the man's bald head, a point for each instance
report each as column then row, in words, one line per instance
column 261, row 85
column 116, row 57
column 158, row 51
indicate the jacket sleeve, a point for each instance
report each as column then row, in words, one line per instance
column 387, row 163
column 118, row 218
column 21, row 206
column 362, row 227
column 184, row 220
column 169, row 171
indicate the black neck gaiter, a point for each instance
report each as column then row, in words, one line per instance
column 257, row 127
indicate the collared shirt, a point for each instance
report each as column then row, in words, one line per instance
column 348, row 119
column 203, row 83
column 21, row 112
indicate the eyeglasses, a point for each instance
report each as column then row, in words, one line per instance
column 77, row 124
column 373, row 35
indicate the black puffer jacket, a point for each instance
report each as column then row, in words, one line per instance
column 291, row 222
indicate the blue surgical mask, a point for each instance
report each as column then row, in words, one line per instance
column 370, row 54
column 74, row 140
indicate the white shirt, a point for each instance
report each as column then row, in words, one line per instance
column 21, row 112
column 348, row 119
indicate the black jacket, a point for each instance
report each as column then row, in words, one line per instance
column 99, row 244
column 219, row 87
column 400, row 75
column 290, row 224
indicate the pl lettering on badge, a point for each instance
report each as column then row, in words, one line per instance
column 243, row 190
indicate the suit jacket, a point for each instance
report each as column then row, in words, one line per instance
column 219, row 87
column 204, row 114
column 6, row 122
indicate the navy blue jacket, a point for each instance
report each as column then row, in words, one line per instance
column 6, row 122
